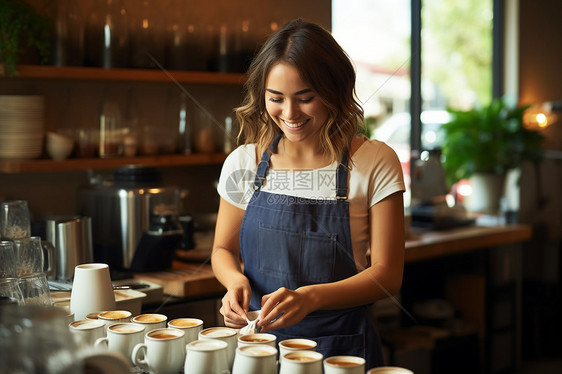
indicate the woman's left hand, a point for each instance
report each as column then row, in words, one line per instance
column 284, row 308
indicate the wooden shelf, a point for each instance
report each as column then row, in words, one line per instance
column 28, row 166
column 137, row 75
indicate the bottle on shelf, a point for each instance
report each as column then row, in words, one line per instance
column 177, row 36
column 146, row 35
column 110, row 128
column 131, row 126
column 185, row 126
column 68, row 46
column 107, row 35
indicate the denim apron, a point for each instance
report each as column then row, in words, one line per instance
column 286, row 241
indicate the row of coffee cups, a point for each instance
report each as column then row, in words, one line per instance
column 154, row 344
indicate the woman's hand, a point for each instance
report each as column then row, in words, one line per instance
column 284, row 308
column 236, row 302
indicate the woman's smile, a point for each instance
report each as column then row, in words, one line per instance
column 293, row 124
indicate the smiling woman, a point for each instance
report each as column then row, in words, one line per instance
column 323, row 195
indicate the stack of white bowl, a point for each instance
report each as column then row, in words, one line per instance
column 21, row 126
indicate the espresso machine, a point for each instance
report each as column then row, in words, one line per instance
column 134, row 219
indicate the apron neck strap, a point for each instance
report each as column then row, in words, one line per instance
column 341, row 172
column 263, row 166
column 341, row 178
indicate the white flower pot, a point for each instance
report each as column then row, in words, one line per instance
column 487, row 190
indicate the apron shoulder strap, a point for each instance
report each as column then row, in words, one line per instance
column 263, row 166
column 341, row 178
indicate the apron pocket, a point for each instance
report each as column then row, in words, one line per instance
column 318, row 260
column 274, row 258
column 306, row 258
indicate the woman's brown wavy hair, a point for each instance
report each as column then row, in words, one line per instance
column 324, row 66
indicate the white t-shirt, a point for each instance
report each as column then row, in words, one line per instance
column 376, row 173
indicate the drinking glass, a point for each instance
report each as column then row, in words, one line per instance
column 35, row 289
column 36, row 339
column 14, row 220
column 9, row 287
column 30, row 256
column 7, row 259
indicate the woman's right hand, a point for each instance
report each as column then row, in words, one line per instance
column 236, row 302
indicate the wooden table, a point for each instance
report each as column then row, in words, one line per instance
column 196, row 279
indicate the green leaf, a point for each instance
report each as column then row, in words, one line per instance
column 21, row 28
column 489, row 139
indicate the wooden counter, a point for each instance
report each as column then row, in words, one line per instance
column 196, row 279
column 447, row 242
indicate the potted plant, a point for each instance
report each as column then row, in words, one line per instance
column 483, row 144
column 22, row 28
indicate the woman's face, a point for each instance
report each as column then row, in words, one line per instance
column 294, row 106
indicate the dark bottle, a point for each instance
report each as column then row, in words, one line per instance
column 107, row 35
column 147, row 46
column 68, row 46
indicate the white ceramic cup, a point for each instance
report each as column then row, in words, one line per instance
column 344, row 365
column 65, row 305
column 162, row 352
column 85, row 332
column 206, row 357
column 190, row 326
column 255, row 359
column 301, row 362
column 91, row 290
column 291, row 345
column 257, row 339
column 150, row 321
column 390, row 370
column 109, row 317
column 105, row 362
column 93, row 315
column 225, row 334
column 122, row 338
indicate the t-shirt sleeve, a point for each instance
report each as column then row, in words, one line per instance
column 387, row 176
column 237, row 176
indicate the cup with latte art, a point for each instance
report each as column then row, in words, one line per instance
column 301, row 362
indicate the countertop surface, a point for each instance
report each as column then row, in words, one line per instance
column 191, row 275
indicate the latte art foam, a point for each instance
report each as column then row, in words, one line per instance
column 149, row 318
column 217, row 333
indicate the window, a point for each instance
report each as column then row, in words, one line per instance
column 455, row 65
